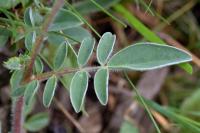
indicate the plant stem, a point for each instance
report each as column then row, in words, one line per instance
column 62, row 72
column 39, row 40
column 18, row 116
column 19, row 103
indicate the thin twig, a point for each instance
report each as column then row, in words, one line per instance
column 69, row 116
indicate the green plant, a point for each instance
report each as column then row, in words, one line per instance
column 54, row 43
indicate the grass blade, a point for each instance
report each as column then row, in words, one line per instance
column 109, row 14
column 183, row 121
column 140, row 98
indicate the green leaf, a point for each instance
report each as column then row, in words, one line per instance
column 101, row 85
column 29, row 108
column 13, row 63
column 37, row 3
column 30, row 39
column 30, row 91
column 70, row 62
column 38, row 18
column 71, row 7
column 75, row 33
column 60, row 56
column 78, row 88
column 187, row 67
column 64, row 19
column 36, row 122
column 190, row 105
column 18, row 92
column 7, row 4
column 55, row 39
column 147, row 56
column 3, row 40
column 38, row 65
column 3, row 37
column 128, row 127
column 32, row 17
column 85, row 50
column 16, row 78
column 105, row 47
column 147, row 33
column 191, row 109
column 28, row 17
column 49, row 90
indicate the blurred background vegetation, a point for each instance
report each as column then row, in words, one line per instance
column 173, row 93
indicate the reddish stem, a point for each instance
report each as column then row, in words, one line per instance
column 18, row 119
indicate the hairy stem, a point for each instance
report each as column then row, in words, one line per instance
column 39, row 40
column 18, row 119
column 18, row 108
column 62, row 72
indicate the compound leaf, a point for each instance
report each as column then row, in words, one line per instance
column 78, row 88
column 30, row 91
column 105, row 47
column 49, row 90
column 101, row 85
column 147, row 56
column 85, row 50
